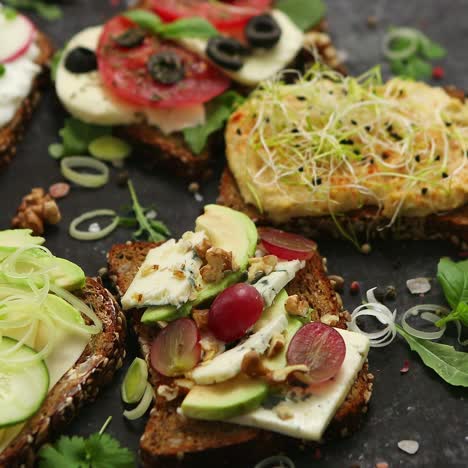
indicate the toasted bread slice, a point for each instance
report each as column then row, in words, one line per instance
column 171, row 151
column 11, row 133
column 169, row 438
column 365, row 223
column 81, row 384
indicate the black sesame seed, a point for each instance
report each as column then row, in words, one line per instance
column 317, row 181
column 347, row 141
column 417, row 158
column 356, row 152
column 239, row 131
column 371, row 161
column 295, row 130
column 448, row 124
column 424, row 190
column 444, row 175
column 301, row 98
column 354, row 122
column 385, row 156
column 368, row 128
column 437, row 158
column 300, row 169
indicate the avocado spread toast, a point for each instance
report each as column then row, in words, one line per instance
column 61, row 339
column 351, row 156
column 245, row 339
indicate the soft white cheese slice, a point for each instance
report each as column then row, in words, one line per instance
column 261, row 64
column 269, row 286
column 310, row 418
column 168, row 276
column 85, row 97
column 228, row 364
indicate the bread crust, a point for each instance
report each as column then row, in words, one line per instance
column 80, row 385
column 366, row 223
column 13, row 132
column 171, row 440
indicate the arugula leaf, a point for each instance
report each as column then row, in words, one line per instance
column 42, row 8
column 218, row 111
column 54, row 63
column 77, row 135
column 450, row 364
column 155, row 231
column 98, row 451
column 2, row 69
column 453, row 278
column 186, row 27
column 305, row 13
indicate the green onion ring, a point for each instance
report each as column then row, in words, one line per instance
column 90, row 236
column 411, row 35
column 429, row 312
column 68, row 165
column 143, row 406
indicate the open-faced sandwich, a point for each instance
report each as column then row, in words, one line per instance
column 168, row 75
column 61, row 339
column 351, row 156
column 24, row 57
column 245, row 339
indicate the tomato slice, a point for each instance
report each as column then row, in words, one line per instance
column 286, row 245
column 124, row 71
column 222, row 14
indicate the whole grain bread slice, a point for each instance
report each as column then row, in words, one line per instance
column 80, row 385
column 365, row 223
column 13, row 132
column 172, row 440
column 171, row 151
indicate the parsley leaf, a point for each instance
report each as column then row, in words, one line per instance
column 98, row 451
column 218, row 111
column 305, row 13
column 42, row 8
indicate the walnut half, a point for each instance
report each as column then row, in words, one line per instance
column 218, row 262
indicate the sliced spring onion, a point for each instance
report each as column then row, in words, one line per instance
column 80, row 306
column 109, row 148
column 413, row 38
column 277, row 461
column 56, row 150
column 429, row 312
column 69, row 165
column 87, row 235
column 39, row 265
column 134, row 384
column 373, row 308
column 143, row 406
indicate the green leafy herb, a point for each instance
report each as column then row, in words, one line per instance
column 305, row 13
column 460, row 313
column 453, row 278
column 43, row 8
column 9, row 13
column 97, row 451
column 218, row 111
column 414, row 68
column 450, row 364
column 152, row 229
column 186, row 27
column 2, row 69
column 430, row 49
column 54, row 63
column 77, row 135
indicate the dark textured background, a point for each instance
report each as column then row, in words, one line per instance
column 418, row 405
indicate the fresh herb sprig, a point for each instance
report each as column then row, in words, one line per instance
column 151, row 229
column 44, row 9
column 99, row 450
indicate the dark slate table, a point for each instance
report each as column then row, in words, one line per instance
column 418, row 405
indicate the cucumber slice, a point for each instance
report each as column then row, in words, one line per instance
column 23, row 388
column 134, row 384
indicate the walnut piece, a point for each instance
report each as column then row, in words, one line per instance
column 211, row 346
column 202, row 248
column 200, row 316
column 260, row 266
column 276, row 345
column 36, row 209
column 296, row 306
column 218, row 262
column 167, row 392
column 283, row 411
column 282, row 375
column 252, row 365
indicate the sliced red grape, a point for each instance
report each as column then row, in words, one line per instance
column 234, row 311
column 286, row 245
column 176, row 349
column 320, row 347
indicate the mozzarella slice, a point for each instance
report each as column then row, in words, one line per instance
column 228, row 364
column 261, row 64
column 310, row 417
column 86, row 98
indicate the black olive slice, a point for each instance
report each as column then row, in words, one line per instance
column 226, row 52
column 133, row 37
column 263, row 31
column 81, row 60
column 166, row 67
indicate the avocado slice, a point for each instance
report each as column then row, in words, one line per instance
column 229, row 230
column 224, row 400
column 277, row 308
column 12, row 239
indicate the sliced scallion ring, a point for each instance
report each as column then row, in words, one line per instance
column 134, row 384
column 276, row 461
column 90, row 236
column 428, row 312
column 109, row 148
column 69, row 165
column 411, row 35
column 143, row 406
